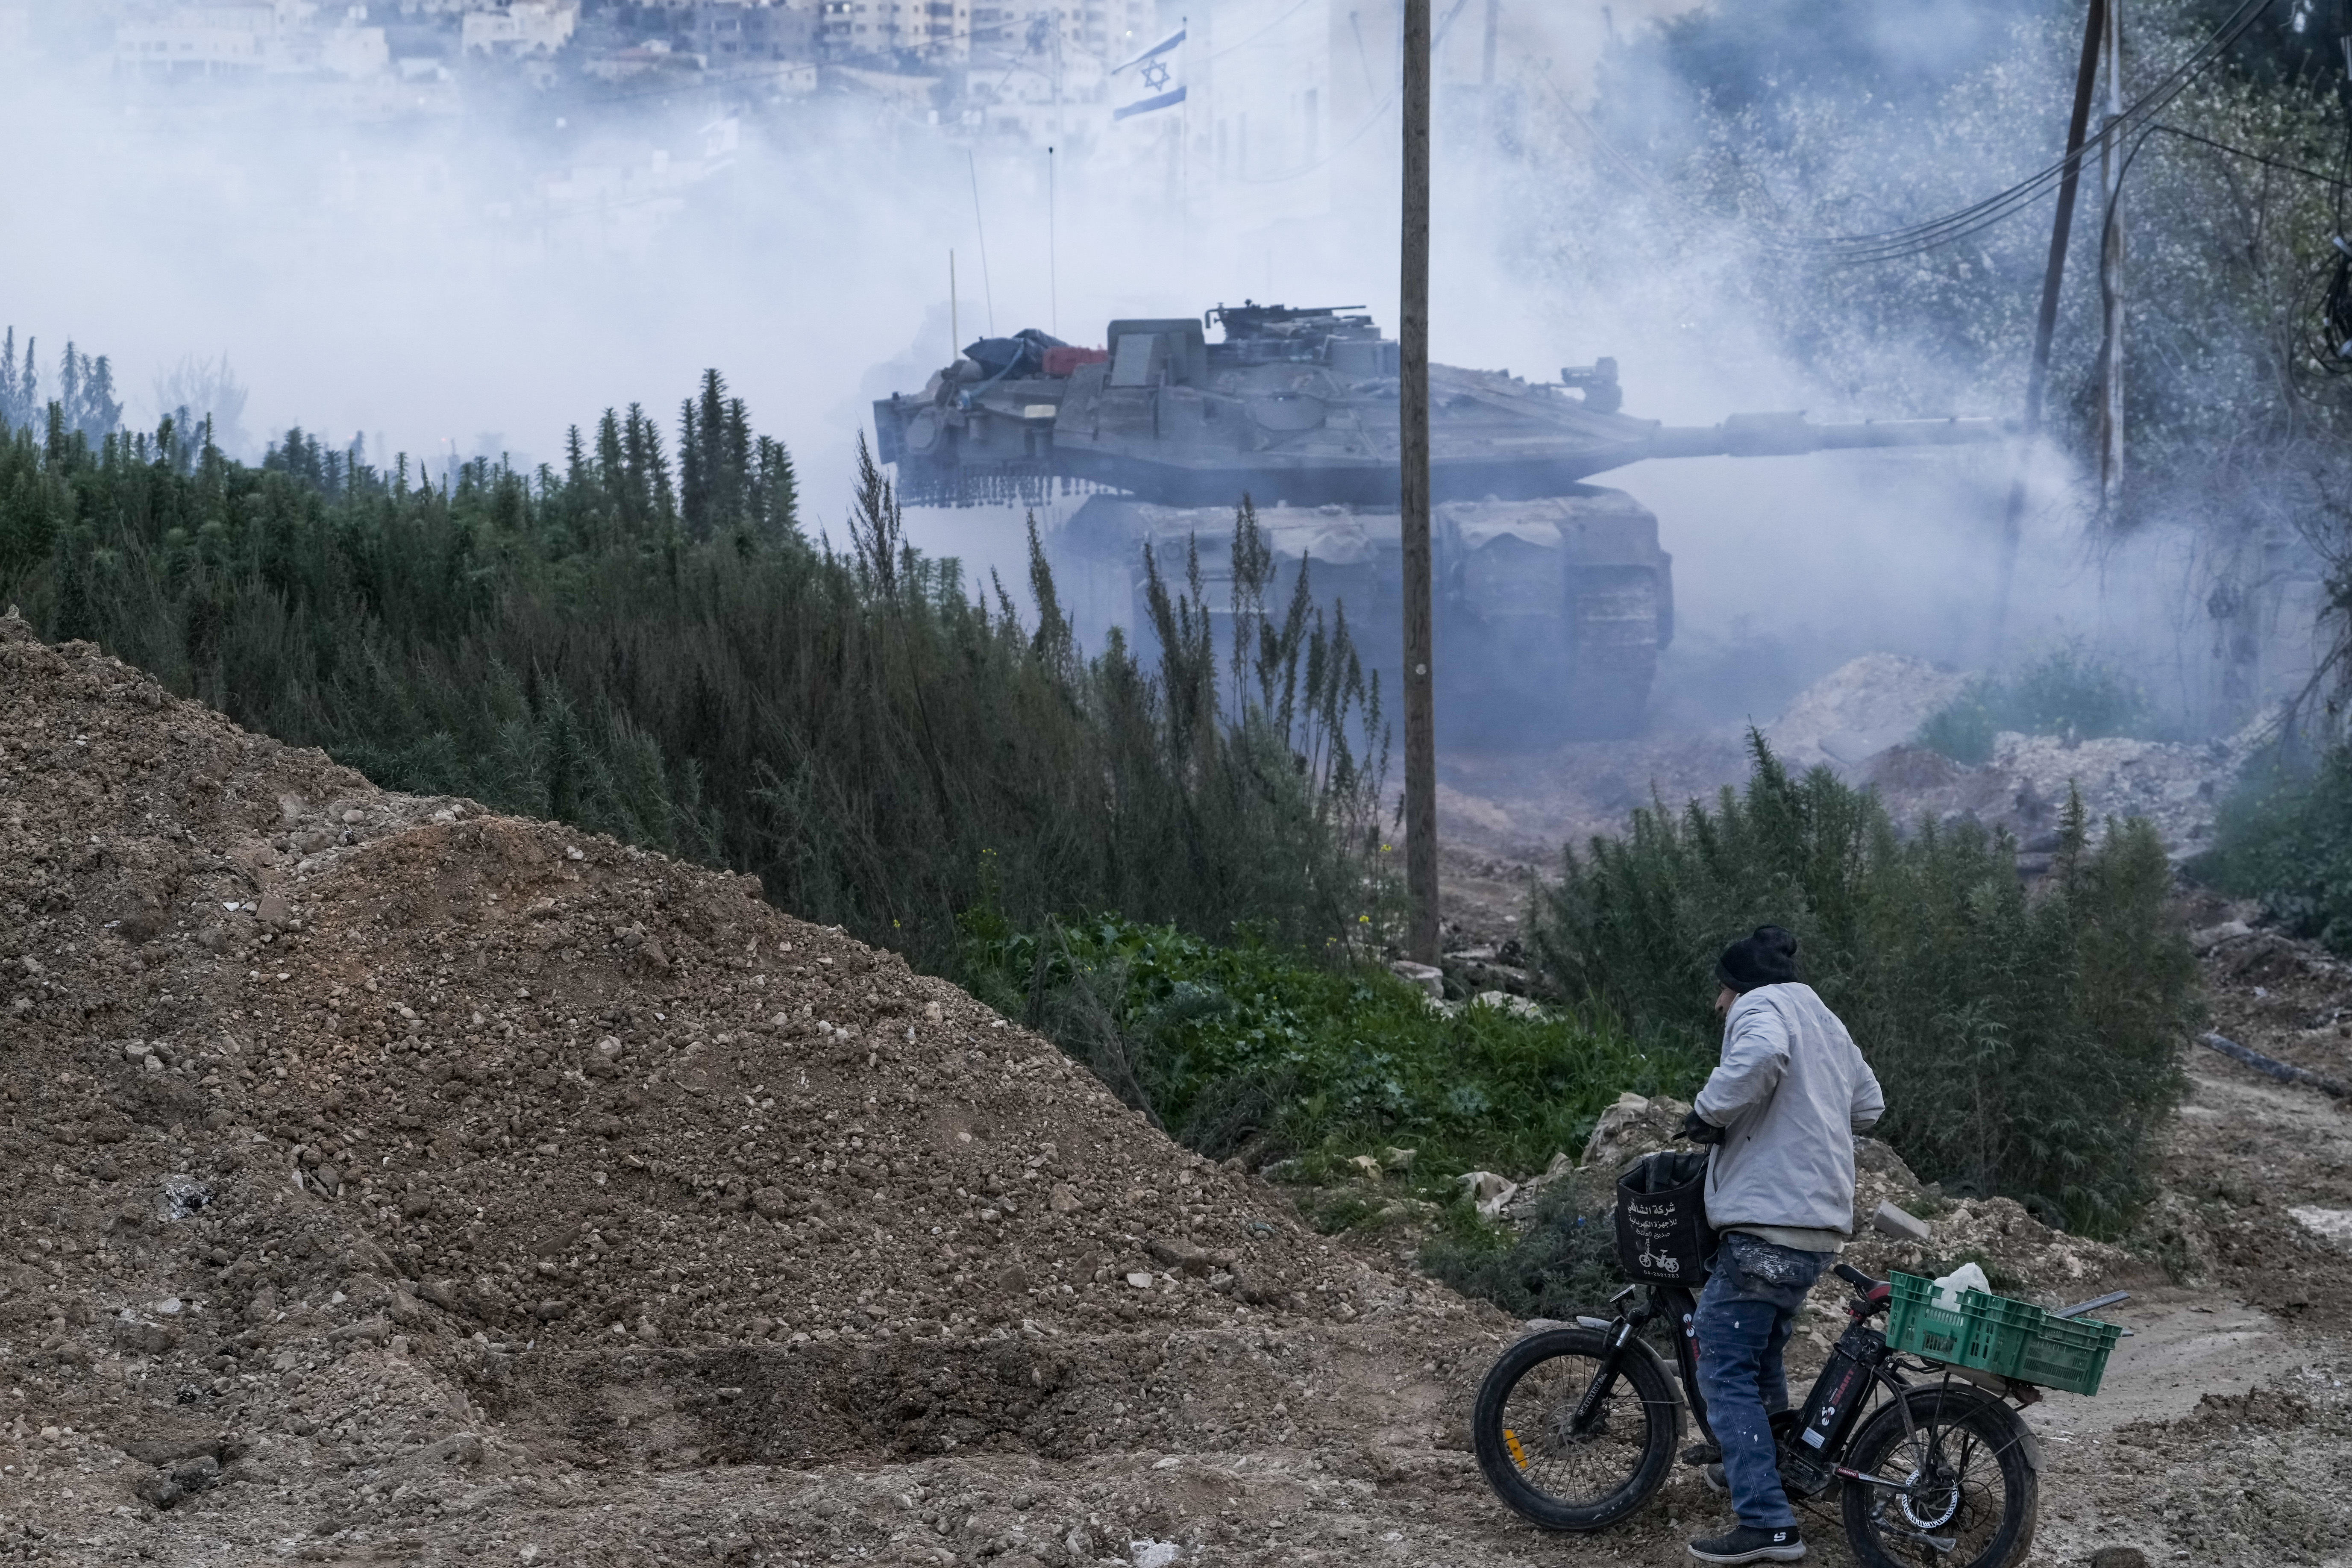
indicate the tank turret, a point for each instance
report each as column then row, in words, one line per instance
column 1297, row 406
column 1297, row 409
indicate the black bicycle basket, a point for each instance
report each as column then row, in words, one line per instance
column 1663, row 1237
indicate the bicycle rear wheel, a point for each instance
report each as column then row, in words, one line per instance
column 1551, row 1470
column 1957, row 1491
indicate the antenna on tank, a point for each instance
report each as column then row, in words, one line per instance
column 1053, row 261
column 955, row 332
column 988, row 289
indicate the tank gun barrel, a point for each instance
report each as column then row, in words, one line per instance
column 1786, row 435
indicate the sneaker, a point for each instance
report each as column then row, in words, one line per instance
column 1712, row 1477
column 1747, row 1543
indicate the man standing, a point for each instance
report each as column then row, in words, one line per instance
column 1781, row 1110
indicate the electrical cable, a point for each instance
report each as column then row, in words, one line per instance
column 2327, row 312
column 1889, row 245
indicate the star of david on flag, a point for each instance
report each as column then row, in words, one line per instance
column 1153, row 78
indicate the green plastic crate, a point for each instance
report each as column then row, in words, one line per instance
column 1917, row 1324
column 1999, row 1331
column 1996, row 1334
column 2069, row 1354
column 1988, row 1332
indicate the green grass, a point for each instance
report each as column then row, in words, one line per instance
column 2064, row 692
column 1251, row 1048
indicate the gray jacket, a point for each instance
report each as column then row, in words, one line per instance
column 1789, row 1094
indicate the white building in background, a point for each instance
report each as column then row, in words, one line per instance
column 208, row 38
column 352, row 49
column 1107, row 29
column 938, row 31
column 279, row 36
column 952, row 32
column 523, row 28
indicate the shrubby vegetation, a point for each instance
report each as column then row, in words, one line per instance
column 649, row 647
column 2285, row 838
column 2066, row 692
column 2025, row 1039
column 1564, row 1263
column 1251, row 1047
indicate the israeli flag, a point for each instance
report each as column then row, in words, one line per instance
column 1153, row 81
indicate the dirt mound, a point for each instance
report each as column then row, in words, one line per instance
column 1861, row 709
column 350, row 1125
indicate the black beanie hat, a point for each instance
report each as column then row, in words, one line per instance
column 1766, row 957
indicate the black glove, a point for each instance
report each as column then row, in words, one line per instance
column 1699, row 1130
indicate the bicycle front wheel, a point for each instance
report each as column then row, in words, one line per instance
column 1956, row 1490
column 1554, row 1469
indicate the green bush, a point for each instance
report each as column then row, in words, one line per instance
column 669, row 660
column 2284, row 836
column 2064, row 692
column 2025, row 1041
column 1249, row 1045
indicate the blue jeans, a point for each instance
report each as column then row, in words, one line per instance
column 1743, row 1322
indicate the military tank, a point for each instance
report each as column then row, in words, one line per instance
column 1554, row 599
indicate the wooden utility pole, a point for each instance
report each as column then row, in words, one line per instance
column 1413, row 450
column 2111, row 275
column 2037, row 375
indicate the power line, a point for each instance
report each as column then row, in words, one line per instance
column 1913, row 239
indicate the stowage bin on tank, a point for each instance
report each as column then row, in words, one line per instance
column 1554, row 597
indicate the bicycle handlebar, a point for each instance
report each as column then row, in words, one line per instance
column 1855, row 1277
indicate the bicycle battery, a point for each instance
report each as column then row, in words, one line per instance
column 1839, row 1394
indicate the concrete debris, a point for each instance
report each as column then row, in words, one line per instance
column 1428, row 976
column 1504, row 1001
column 1631, row 1128
column 1489, row 1191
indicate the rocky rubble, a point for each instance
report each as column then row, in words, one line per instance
column 1860, row 709
column 2027, row 1256
column 2176, row 787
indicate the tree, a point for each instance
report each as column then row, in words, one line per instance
column 88, row 395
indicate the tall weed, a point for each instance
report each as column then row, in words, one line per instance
column 671, row 661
